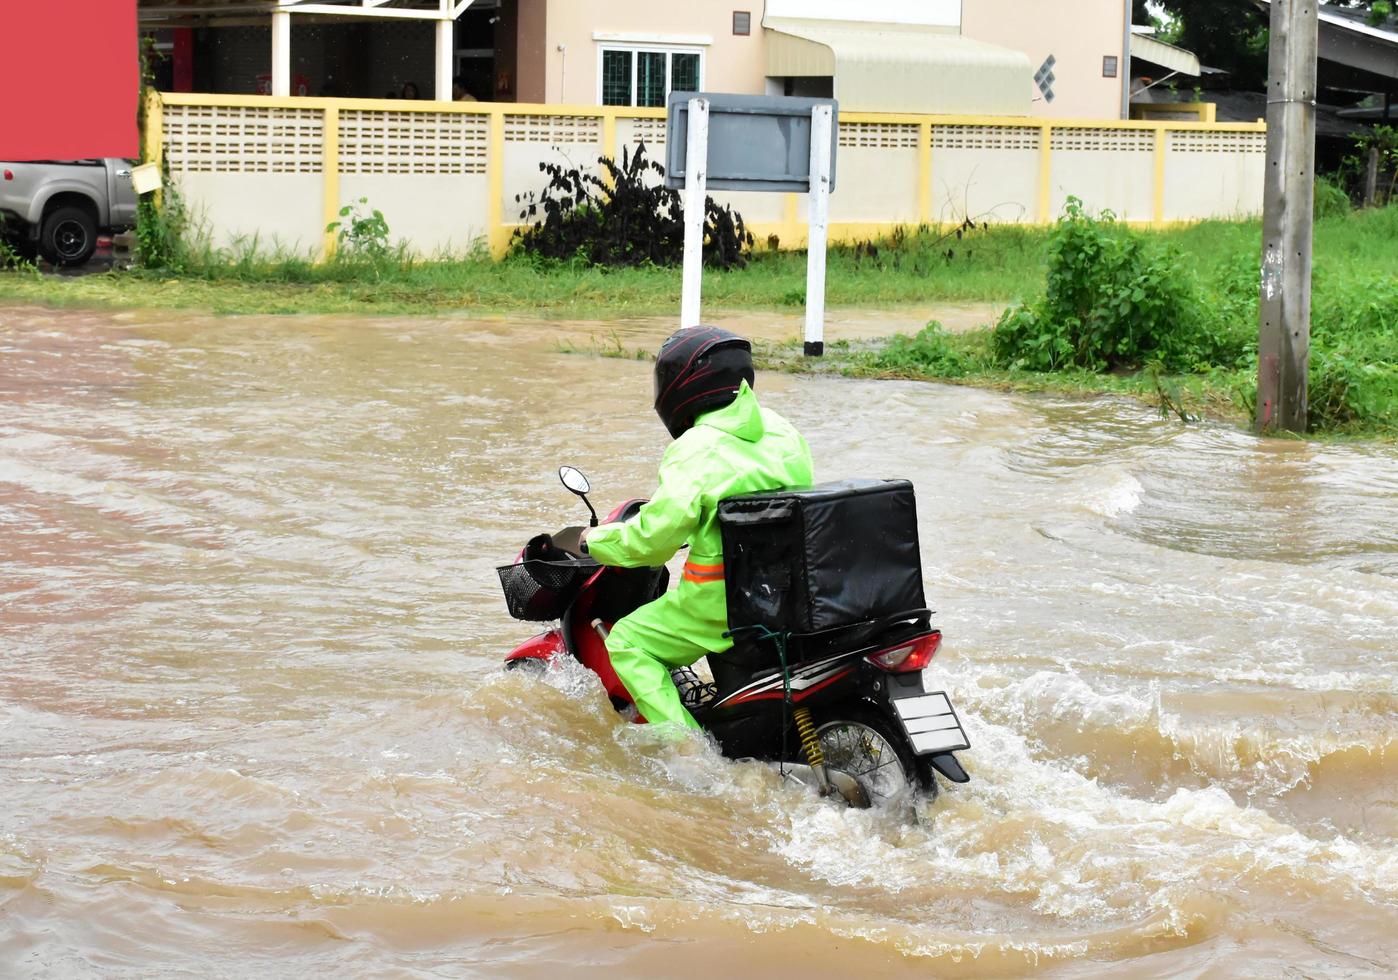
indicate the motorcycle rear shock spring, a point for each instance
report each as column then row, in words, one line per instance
column 810, row 741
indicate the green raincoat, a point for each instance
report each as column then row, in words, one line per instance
column 740, row 448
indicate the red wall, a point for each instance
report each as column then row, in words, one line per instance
column 69, row 79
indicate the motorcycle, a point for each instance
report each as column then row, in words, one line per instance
column 844, row 711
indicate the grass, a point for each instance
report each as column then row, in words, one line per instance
column 996, row 264
column 1354, row 331
column 1004, row 263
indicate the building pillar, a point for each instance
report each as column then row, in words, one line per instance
column 446, row 58
column 281, row 52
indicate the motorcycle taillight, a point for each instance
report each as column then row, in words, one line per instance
column 907, row 657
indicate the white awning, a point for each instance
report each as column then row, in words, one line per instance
column 883, row 67
column 1165, row 55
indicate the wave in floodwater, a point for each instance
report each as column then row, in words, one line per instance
column 254, row 720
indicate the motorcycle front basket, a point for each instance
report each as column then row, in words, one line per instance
column 539, row 591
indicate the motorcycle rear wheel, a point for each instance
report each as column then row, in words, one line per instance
column 865, row 746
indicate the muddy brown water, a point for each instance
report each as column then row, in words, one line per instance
column 252, row 721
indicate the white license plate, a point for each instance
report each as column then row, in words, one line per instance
column 931, row 723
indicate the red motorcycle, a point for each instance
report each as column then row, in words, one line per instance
column 842, row 709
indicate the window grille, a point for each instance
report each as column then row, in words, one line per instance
column 645, row 76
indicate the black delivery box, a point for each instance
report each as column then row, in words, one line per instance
column 829, row 556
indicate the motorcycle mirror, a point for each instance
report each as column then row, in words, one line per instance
column 573, row 479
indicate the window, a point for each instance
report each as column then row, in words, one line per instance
column 742, row 22
column 646, row 76
column 1109, row 63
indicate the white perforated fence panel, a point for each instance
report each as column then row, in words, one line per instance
column 648, row 131
column 1107, row 169
column 1205, row 141
column 437, row 215
column 521, row 128
column 884, row 136
column 1211, row 174
column 1088, row 140
column 985, row 173
column 413, row 142
column 264, row 213
column 997, row 138
column 569, row 141
column 876, row 183
column 243, row 140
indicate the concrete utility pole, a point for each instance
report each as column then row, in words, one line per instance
column 1284, row 320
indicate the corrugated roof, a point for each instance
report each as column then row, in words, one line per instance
column 1165, row 55
column 881, row 67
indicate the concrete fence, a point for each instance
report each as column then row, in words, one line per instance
column 445, row 175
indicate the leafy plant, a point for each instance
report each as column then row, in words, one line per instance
column 931, row 351
column 1330, row 198
column 362, row 233
column 12, row 259
column 1113, row 301
column 627, row 218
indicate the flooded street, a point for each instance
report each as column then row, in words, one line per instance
column 253, row 721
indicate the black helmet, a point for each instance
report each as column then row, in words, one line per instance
column 698, row 370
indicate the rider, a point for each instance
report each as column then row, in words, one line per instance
column 725, row 445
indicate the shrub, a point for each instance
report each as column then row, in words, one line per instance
column 628, row 219
column 930, row 352
column 1353, row 373
column 1114, row 300
column 1331, row 200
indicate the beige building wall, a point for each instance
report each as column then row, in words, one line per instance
column 730, row 63
column 1078, row 33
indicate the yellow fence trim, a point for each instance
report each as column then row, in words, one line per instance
column 636, row 112
column 155, row 138
column 499, row 235
column 330, row 171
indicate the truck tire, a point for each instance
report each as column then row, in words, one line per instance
column 68, row 236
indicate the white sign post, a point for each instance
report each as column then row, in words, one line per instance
column 816, row 235
column 695, row 196
column 759, row 144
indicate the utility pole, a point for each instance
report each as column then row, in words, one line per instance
column 1284, row 310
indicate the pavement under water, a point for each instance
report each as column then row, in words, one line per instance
column 252, row 720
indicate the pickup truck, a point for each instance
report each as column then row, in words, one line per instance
column 57, row 207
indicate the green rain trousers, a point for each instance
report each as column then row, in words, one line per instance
column 740, row 448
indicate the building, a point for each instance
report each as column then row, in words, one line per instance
column 1046, row 58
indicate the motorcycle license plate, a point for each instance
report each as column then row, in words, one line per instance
column 930, row 723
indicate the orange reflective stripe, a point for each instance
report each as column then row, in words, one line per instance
column 703, row 573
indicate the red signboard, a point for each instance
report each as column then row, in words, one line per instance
column 69, row 79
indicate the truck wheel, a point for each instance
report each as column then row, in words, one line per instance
column 68, row 236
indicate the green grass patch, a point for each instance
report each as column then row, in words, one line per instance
column 1167, row 316
column 1001, row 264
